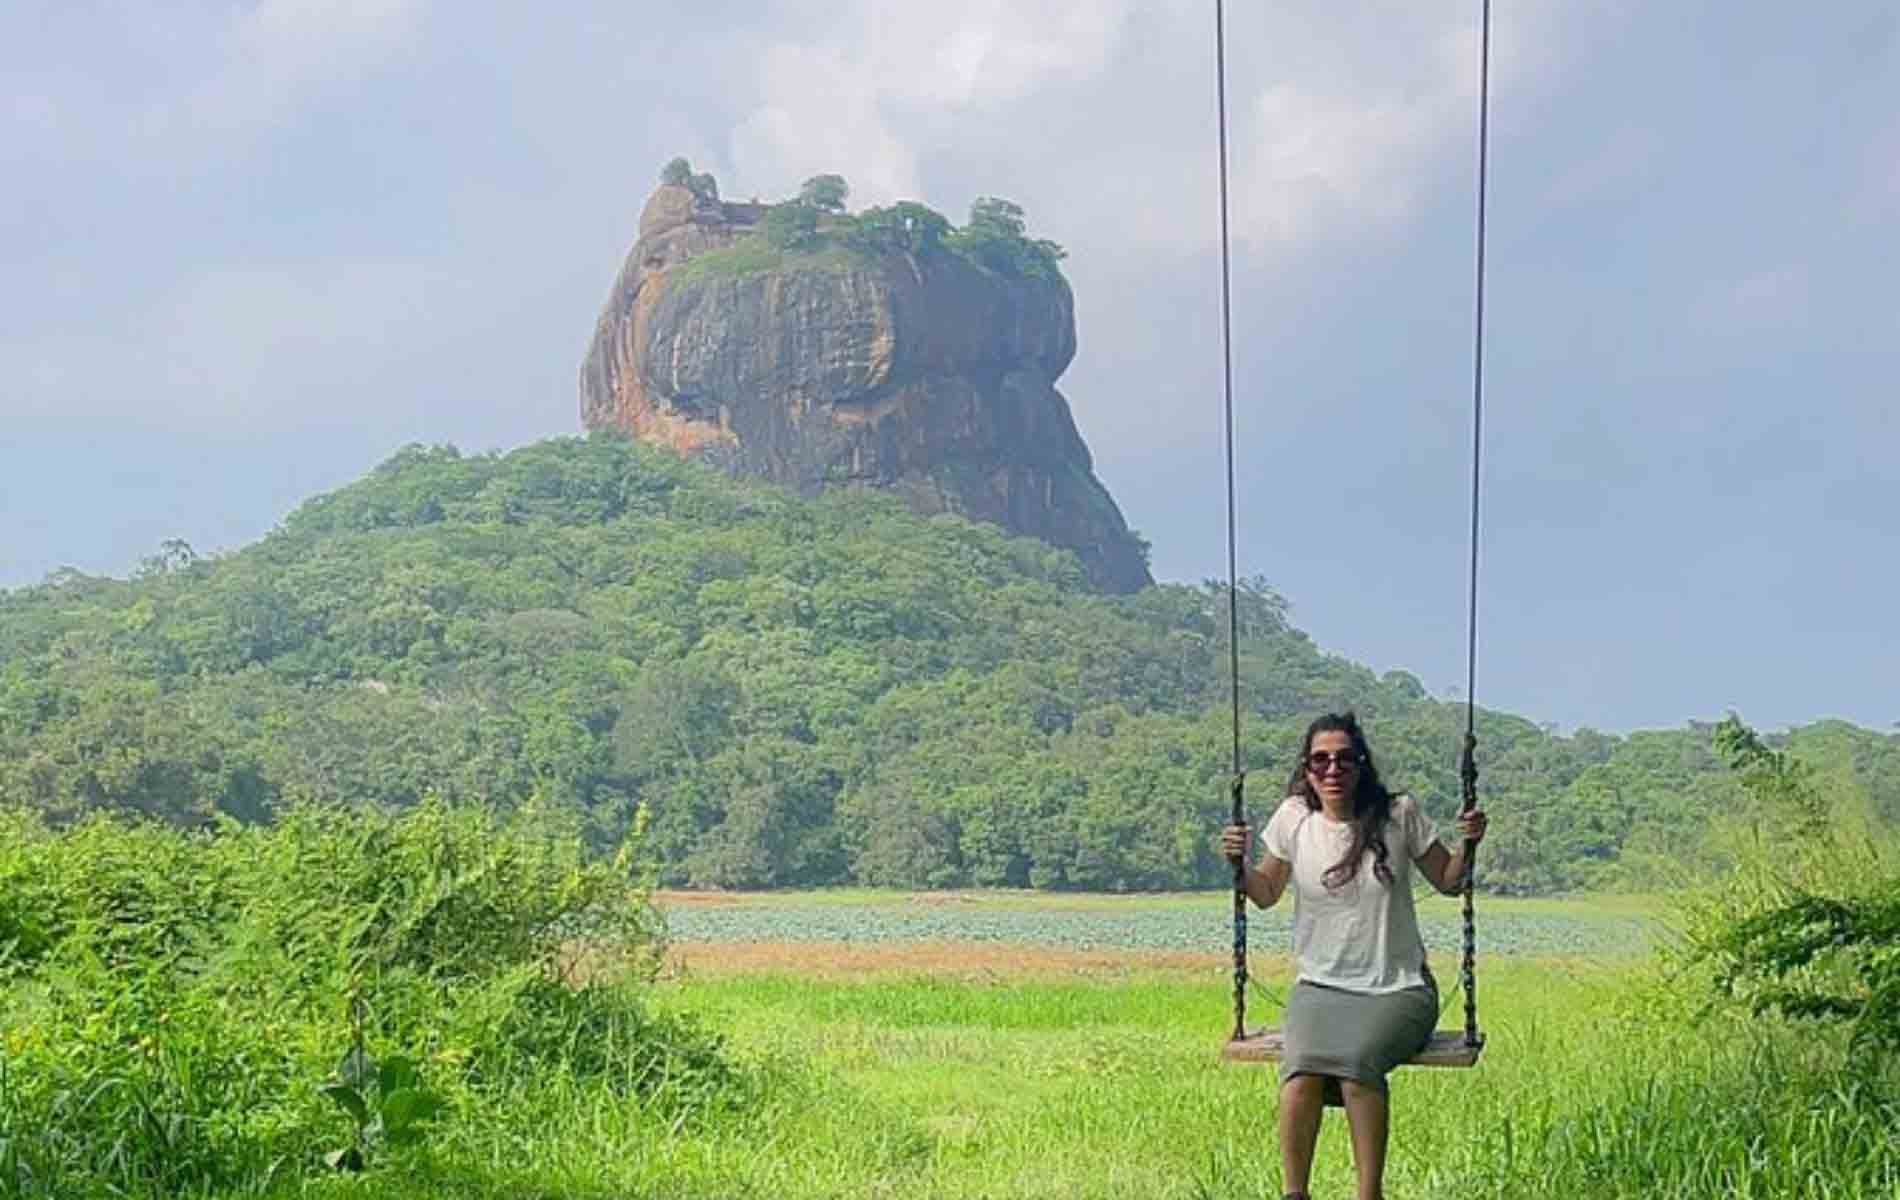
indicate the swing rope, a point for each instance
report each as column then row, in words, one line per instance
column 1468, row 766
column 1239, row 785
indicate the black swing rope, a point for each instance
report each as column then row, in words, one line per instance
column 1468, row 766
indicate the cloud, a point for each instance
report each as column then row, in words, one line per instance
column 821, row 114
column 1765, row 301
column 1343, row 122
column 1320, row 162
column 33, row 113
column 991, row 52
column 1625, row 155
column 1877, row 191
column 1770, row 293
column 263, row 347
column 275, row 56
column 860, row 98
column 1358, row 115
column 155, row 83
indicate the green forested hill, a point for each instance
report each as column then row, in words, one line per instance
column 797, row 691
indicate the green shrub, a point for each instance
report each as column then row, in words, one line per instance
column 996, row 239
column 181, row 1010
column 1807, row 924
column 792, row 225
column 824, row 192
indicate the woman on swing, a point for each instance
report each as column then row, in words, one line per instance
column 1364, row 1000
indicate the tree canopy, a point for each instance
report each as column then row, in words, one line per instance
column 797, row 691
column 825, row 192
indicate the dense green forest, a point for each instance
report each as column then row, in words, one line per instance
column 796, row 691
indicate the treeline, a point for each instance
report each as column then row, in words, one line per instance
column 797, row 692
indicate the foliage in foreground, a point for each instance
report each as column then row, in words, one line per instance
column 1807, row 927
column 177, row 1003
column 1793, row 1126
column 182, row 1011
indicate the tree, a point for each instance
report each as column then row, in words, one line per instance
column 1783, row 789
column 906, row 226
column 996, row 238
column 995, row 217
column 174, row 555
column 790, row 226
column 679, row 173
column 825, row 193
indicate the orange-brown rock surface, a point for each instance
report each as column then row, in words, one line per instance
column 926, row 375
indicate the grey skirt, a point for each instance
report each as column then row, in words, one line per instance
column 1354, row 1035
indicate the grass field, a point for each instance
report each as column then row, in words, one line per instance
column 1040, row 1068
column 1079, row 1057
column 1065, row 1048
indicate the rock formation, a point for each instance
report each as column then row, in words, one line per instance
column 924, row 374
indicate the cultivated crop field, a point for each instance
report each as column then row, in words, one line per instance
column 1180, row 923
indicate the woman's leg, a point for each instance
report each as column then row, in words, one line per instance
column 1368, row 1116
column 1302, row 1101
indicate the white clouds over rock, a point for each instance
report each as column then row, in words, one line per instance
column 856, row 94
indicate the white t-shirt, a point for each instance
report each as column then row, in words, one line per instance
column 1362, row 937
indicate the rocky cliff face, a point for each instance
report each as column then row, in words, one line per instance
column 925, row 375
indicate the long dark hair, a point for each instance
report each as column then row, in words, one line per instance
column 1371, row 801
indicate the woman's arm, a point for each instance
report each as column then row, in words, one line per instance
column 1446, row 868
column 1443, row 869
column 1265, row 882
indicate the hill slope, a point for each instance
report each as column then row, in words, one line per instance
column 799, row 691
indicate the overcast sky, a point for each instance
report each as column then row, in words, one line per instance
column 253, row 248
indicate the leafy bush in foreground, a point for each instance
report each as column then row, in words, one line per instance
column 1808, row 926
column 173, row 1005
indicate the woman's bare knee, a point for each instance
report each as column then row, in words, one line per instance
column 1304, row 1086
column 1355, row 1091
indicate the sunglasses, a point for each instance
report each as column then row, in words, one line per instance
column 1321, row 761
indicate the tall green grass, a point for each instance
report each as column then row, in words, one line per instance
column 173, row 1005
column 1593, row 1084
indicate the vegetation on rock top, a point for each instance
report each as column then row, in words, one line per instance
column 815, row 229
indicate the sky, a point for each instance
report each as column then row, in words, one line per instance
column 254, row 248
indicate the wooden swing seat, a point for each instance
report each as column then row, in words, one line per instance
column 1448, row 1048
